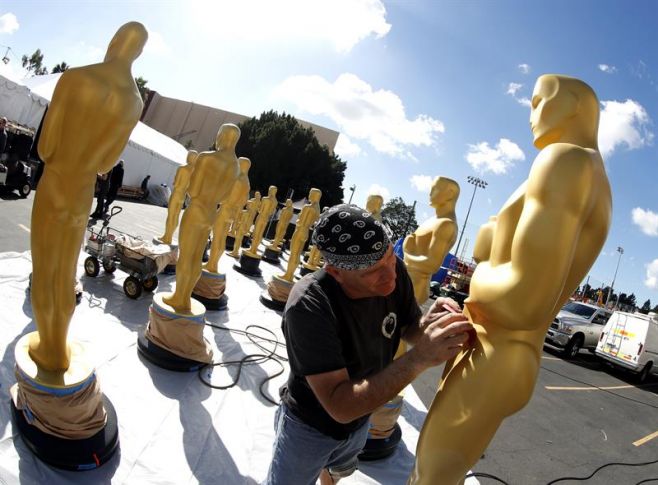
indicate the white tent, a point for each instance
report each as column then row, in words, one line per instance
column 148, row 151
column 19, row 104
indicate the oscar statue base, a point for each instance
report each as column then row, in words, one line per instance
column 305, row 269
column 276, row 295
column 62, row 416
column 248, row 265
column 169, row 269
column 271, row 256
column 271, row 303
column 213, row 304
column 380, row 448
column 230, row 242
column 175, row 341
column 209, row 290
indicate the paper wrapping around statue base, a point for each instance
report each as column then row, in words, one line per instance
column 178, row 334
column 384, row 419
column 279, row 289
column 210, row 285
column 71, row 413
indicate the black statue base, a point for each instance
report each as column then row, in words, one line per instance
column 169, row 269
column 215, row 304
column 230, row 241
column 378, row 449
column 165, row 359
column 303, row 270
column 66, row 454
column 271, row 256
column 271, row 303
column 246, row 242
column 248, row 265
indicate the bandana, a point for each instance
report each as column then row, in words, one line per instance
column 349, row 237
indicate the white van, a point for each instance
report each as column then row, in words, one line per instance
column 630, row 341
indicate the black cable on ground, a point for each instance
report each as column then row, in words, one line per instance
column 601, row 468
column 249, row 359
column 487, row 475
column 647, row 481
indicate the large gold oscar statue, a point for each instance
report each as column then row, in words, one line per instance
column 267, row 207
column 546, row 237
column 279, row 286
column 245, row 222
column 273, row 249
column 88, row 103
column 181, row 184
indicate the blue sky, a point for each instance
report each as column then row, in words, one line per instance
column 417, row 89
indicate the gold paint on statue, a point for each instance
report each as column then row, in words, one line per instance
column 181, row 184
column 314, row 261
column 89, row 104
column 284, row 219
column 307, row 217
column 212, row 180
column 267, row 207
column 374, row 206
column 244, row 224
column 426, row 248
column 546, row 237
column 227, row 215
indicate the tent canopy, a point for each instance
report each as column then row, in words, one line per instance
column 18, row 103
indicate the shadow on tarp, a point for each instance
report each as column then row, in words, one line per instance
column 199, row 435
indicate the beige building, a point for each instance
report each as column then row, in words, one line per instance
column 195, row 125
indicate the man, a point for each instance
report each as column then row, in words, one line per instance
column 116, row 180
column 103, row 188
column 342, row 326
column 3, row 134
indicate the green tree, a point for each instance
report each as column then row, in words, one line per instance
column 34, row 63
column 655, row 309
column 399, row 217
column 61, row 67
column 646, row 307
column 631, row 300
column 285, row 154
column 141, row 85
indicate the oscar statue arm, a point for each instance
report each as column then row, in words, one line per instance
column 521, row 290
column 484, row 240
column 50, row 134
column 440, row 243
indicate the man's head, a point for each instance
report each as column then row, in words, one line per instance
column 564, row 109
column 357, row 251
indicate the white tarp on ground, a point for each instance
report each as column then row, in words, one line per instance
column 19, row 104
column 172, row 428
column 148, row 151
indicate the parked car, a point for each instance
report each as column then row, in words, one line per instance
column 630, row 341
column 15, row 175
column 577, row 326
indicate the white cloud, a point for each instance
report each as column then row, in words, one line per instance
column 376, row 189
column 621, row 124
column 156, row 44
column 646, row 220
column 652, row 275
column 498, row 160
column 524, row 68
column 422, row 183
column 362, row 113
column 8, row 23
column 346, row 148
column 342, row 23
column 512, row 88
column 84, row 53
column 608, row 69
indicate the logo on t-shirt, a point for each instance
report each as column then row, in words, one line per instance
column 388, row 324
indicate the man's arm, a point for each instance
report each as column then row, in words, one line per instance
column 414, row 331
column 347, row 400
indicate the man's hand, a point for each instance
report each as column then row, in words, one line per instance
column 437, row 310
column 441, row 340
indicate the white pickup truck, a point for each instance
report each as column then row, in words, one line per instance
column 577, row 326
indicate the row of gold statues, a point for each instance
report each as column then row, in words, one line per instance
column 531, row 255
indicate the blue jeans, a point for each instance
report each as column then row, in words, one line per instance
column 301, row 452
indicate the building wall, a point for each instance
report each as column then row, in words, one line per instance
column 197, row 124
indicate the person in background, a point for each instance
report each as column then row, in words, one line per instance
column 145, row 187
column 116, row 180
column 3, row 134
column 103, row 187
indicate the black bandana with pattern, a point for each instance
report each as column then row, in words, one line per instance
column 349, row 237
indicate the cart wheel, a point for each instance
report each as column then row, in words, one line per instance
column 132, row 287
column 109, row 266
column 92, row 268
column 150, row 284
column 24, row 190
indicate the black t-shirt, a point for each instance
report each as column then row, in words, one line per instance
column 326, row 331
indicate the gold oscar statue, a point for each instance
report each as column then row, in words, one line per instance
column 244, row 224
column 374, row 206
column 279, row 286
column 267, row 207
column 92, row 113
column 212, row 180
column 181, row 184
column 228, row 213
column 426, row 248
column 273, row 249
column 546, row 237
column 313, row 262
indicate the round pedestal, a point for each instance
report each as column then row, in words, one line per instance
column 169, row 269
column 378, row 449
column 248, row 265
column 270, row 303
column 213, row 304
column 209, row 290
column 271, row 256
column 161, row 341
column 304, row 269
column 246, row 242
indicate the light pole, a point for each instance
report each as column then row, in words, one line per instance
column 620, row 250
column 352, row 188
column 476, row 182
